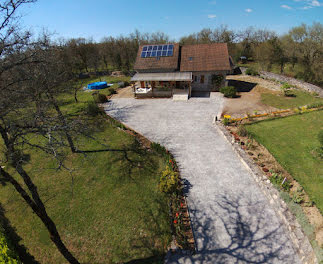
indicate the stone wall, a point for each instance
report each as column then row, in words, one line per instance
column 282, row 78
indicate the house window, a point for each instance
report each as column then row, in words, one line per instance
column 190, row 58
column 195, row 78
column 202, row 79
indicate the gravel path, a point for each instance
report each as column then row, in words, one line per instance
column 232, row 220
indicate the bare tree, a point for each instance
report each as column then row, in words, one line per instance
column 26, row 109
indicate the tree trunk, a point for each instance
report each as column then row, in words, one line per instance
column 281, row 68
column 40, row 211
column 75, row 95
column 55, row 237
column 62, row 118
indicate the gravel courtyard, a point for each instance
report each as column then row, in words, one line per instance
column 232, row 220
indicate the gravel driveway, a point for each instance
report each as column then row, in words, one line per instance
column 232, row 220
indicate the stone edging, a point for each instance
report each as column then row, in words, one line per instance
column 282, row 78
column 300, row 84
column 299, row 240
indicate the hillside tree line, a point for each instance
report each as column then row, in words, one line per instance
column 301, row 49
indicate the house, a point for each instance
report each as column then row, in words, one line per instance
column 173, row 70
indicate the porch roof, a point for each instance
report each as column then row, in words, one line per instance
column 163, row 76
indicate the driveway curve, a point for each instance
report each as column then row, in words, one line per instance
column 232, row 220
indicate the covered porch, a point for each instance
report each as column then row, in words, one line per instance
column 162, row 84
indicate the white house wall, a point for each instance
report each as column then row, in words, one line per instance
column 207, row 85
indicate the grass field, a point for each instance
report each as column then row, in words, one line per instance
column 280, row 101
column 108, row 209
column 108, row 79
column 292, row 141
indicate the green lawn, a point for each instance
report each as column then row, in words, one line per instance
column 282, row 102
column 108, row 79
column 292, row 141
column 108, row 209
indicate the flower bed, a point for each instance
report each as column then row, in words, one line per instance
column 171, row 185
column 181, row 223
column 227, row 119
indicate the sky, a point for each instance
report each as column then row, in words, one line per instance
column 176, row 18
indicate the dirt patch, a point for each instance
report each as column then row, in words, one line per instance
column 249, row 101
column 126, row 92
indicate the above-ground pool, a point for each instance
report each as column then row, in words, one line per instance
column 97, row 85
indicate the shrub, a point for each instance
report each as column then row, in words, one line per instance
column 286, row 88
column 298, row 196
column 242, row 131
column 6, row 254
column 250, row 145
column 92, row 109
column 278, row 179
column 315, row 105
column 169, row 181
column 158, row 148
column 217, row 80
column 252, row 71
column 99, row 98
column 229, row 91
column 226, row 121
column 112, row 91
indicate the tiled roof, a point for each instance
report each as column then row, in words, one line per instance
column 154, row 64
column 205, row 57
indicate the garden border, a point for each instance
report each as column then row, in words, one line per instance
column 300, row 241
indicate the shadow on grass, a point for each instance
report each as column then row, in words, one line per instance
column 153, row 238
column 242, row 86
column 149, row 260
column 14, row 239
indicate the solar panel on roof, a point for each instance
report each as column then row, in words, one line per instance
column 166, row 50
